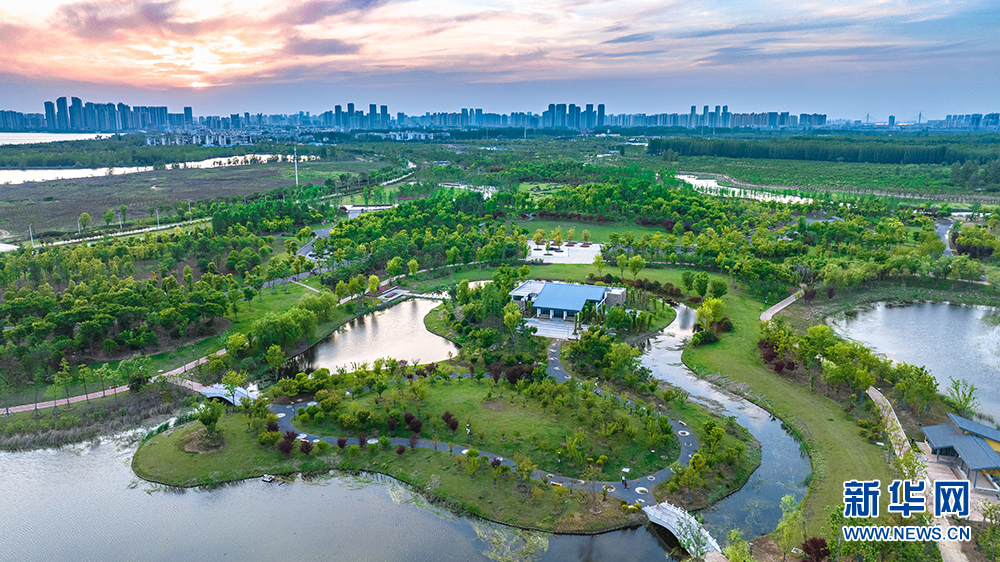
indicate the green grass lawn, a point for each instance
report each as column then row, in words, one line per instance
column 837, row 450
column 436, row 473
column 514, row 424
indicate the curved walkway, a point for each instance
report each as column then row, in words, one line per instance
column 769, row 313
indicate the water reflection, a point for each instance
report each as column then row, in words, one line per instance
column 74, row 502
column 397, row 332
column 918, row 334
column 755, row 508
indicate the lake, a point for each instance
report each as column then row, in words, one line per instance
column 12, row 176
column 950, row 340
column 32, row 138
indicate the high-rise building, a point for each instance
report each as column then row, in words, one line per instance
column 560, row 116
column 75, row 114
column 600, row 115
column 479, row 117
column 188, row 116
column 338, row 116
column 62, row 114
column 50, row 116
column 372, row 116
column 588, row 117
column 384, row 112
column 892, row 120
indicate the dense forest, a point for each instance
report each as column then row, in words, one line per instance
column 937, row 150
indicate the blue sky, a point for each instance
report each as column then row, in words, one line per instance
column 846, row 59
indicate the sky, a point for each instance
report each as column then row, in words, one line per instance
column 847, row 59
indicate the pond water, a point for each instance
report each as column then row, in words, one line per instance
column 90, row 495
column 75, row 502
column 755, row 508
column 31, row 138
column 13, row 176
column 711, row 187
column 397, row 332
column 950, row 340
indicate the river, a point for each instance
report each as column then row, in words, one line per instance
column 61, row 503
column 14, row 176
column 950, row 340
column 33, row 138
column 711, row 187
column 755, row 508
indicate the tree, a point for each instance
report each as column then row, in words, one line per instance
column 64, row 378
column 737, row 549
column 373, row 284
column 109, row 216
column 963, row 396
column 622, row 263
column 718, row 288
column 687, row 279
column 635, row 265
column 815, row 549
column 585, row 235
column 275, row 358
column 124, row 212
column 701, row 284
column 209, row 415
column 512, row 319
column 394, row 266
column 790, row 526
column 135, row 373
column 85, row 220
column 710, row 313
column 232, row 381
column 413, row 266
column 599, row 263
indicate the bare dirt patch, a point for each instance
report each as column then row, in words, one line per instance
column 201, row 442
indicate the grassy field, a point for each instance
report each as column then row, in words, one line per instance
column 509, row 424
column 436, row 473
column 55, row 205
column 838, row 453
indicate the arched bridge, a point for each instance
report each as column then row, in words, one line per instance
column 219, row 391
column 689, row 532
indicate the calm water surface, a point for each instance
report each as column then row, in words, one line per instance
column 397, row 332
column 84, row 503
column 31, row 138
column 950, row 340
column 755, row 508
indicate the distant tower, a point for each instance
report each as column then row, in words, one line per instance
column 76, row 114
column 50, row 116
column 600, row 115
column 62, row 114
column 892, row 120
column 188, row 116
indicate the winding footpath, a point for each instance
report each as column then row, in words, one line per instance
column 688, row 446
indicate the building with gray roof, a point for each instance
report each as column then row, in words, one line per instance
column 973, row 447
column 565, row 300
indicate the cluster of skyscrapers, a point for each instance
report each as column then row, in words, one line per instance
column 74, row 115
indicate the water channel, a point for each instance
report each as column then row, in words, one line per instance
column 14, row 176
column 950, row 340
column 90, row 495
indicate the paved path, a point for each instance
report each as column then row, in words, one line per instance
column 306, row 286
column 951, row 551
column 176, row 376
column 767, row 314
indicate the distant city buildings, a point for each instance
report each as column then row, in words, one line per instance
column 75, row 115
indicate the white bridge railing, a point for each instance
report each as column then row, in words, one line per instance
column 219, row 391
column 692, row 536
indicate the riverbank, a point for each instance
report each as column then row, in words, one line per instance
column 435, row 474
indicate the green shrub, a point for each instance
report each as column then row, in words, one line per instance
column 322, row 446
column 384, row 442
column 269, row 438
column 353, row 450
column 703, row 338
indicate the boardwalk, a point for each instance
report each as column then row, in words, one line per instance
column 769, row 313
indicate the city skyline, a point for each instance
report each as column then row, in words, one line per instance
column 846, row 59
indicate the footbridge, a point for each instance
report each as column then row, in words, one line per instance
column 689, row 532
column 219, row 391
